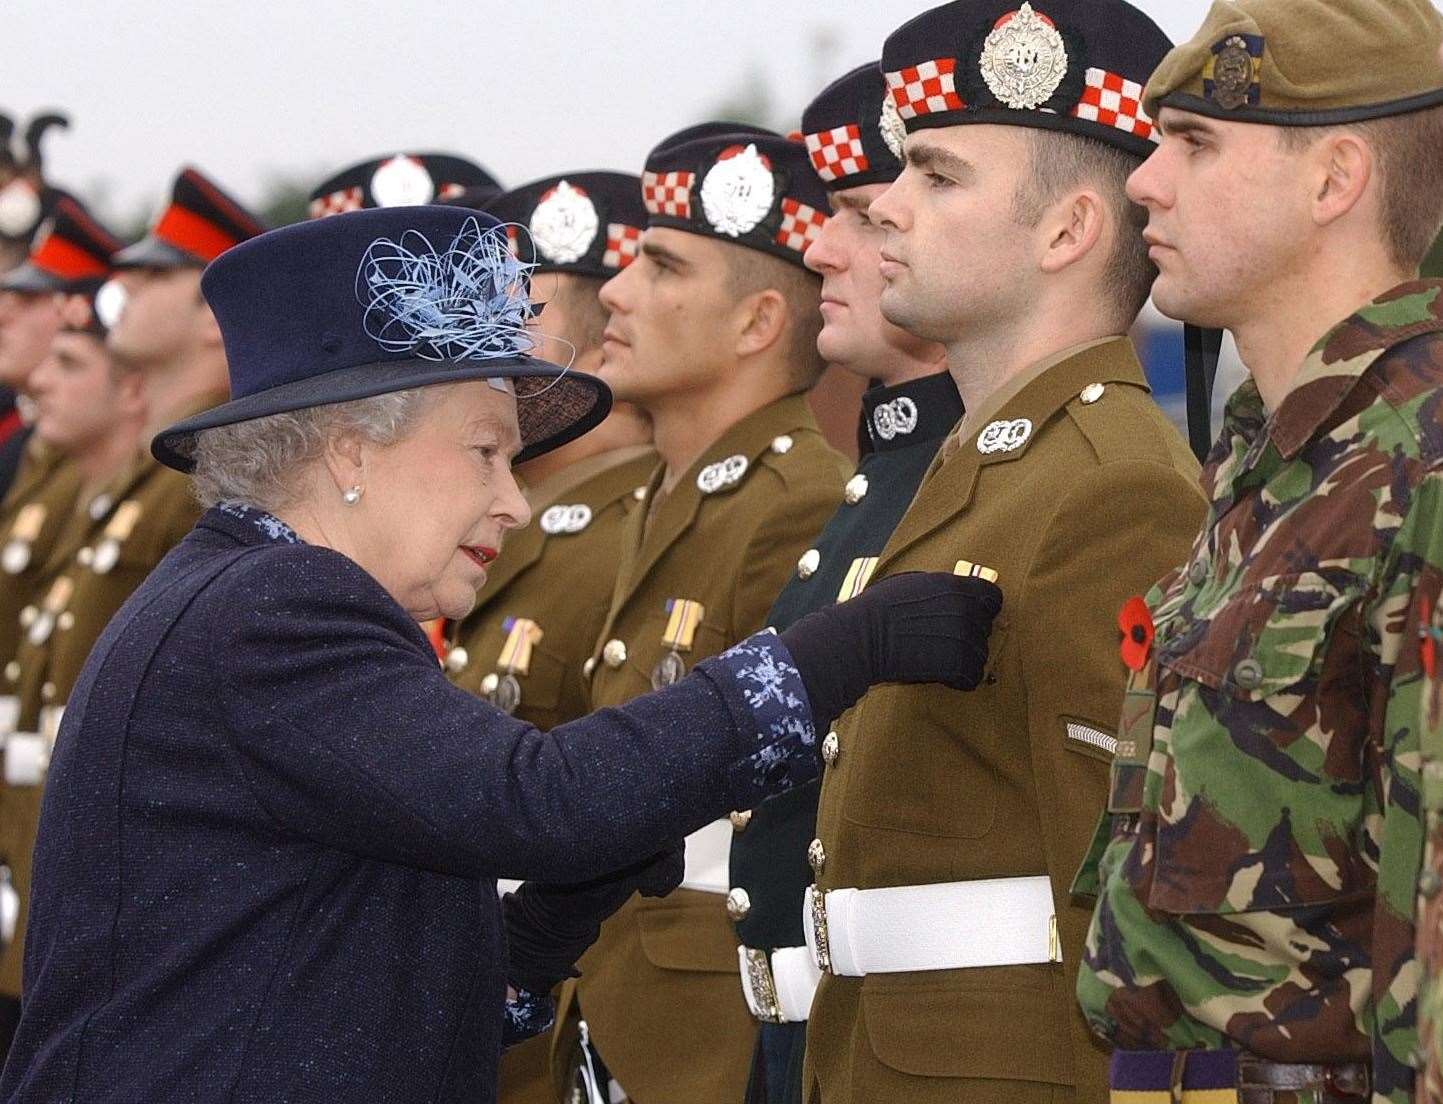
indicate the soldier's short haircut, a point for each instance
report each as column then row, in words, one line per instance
column 582, row 296
column 752, row 271
column 1059, row 163
column 1409, row 153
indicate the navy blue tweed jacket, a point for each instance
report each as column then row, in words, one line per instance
column 271, row 832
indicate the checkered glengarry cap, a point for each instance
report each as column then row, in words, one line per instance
column 200, row 223
column 589, row 223
column 71, row 252
column 743, row 185
column 852, row 131
column 403, row 180
column 1070, row 65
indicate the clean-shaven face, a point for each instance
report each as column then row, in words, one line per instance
column 164, row 316
column 78, row 396
column 28, row 322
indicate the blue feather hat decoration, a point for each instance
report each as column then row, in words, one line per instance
column 376, row 301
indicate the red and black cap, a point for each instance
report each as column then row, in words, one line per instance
column 200, row 224
column 1070, row 65
column 852, row 131
column 739, row 184
column 71, row 253
column 404, row 180
column 589, row 223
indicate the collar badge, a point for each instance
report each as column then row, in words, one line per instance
column 565, row 519
column 721, row 475
column 564, row 224
column 1004, row 436
column 739, row 191
column 1023, row 59
column 895, row 418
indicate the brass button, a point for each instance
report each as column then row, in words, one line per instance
column 1091, row 393
column 28, row 616
column 489, row 683
column 816, row 856
column 740, row 818
column 589, row 667
column 12, row 670
column 457, row 658
column 639, row 494
column 614, row 653
column 86, row 556
column 808, row 564
column 66, row 621
column 1248, row 674
column 1429, row 883
column 783, row 444
column 739, row 903
column 831, row 748
column 48, row 691
column 1197, row 572
column 856, row 489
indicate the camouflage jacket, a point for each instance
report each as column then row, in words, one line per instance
column 1256, row 873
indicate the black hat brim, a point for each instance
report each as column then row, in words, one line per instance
column 31, row 280
column 554, row 407
column 151, row 252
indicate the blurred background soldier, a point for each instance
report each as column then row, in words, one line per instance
column 713, row 333
column 46, row 308
column 1259, row 881
column 949, row 827
column 544, row 603
column 26, row 200
column 165, row 343
column 854, row 142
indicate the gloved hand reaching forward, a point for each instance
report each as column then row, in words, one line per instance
column 913, row 627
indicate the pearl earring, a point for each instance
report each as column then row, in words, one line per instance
column 353, row 496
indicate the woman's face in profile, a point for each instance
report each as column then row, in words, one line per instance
column 438, row 503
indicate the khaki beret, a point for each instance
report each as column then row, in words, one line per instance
column 1305, row 62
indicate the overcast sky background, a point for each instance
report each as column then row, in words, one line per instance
column 249, row 90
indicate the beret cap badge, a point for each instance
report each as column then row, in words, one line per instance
column 1234, row 73
column 894, row 131
column 564, row 224
column 738, row 191
column 1024, row 59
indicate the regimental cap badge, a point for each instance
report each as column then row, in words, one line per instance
column 738, row 191
column 564, row 224
column 1231, row 75
column 1024, row 59
column 402, row 182
column 894, row 131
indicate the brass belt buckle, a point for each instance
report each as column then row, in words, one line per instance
column 817, row 909
column 767, row 1008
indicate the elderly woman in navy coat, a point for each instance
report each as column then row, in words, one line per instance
column 267, row 858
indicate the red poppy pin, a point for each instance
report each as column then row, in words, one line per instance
column 1135, row 621
column 1428, row 637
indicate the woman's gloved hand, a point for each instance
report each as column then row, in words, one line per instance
column 913, row 627
column 548, row 927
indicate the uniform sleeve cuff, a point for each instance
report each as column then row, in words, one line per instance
column 763, row 689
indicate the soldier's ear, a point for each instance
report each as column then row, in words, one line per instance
column 1344, row 165
column 1070, row 229
column 763, row 322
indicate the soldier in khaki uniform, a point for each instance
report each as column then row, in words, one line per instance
column 950, row 825
column 544, row 603
column 133, row 509
column 538, row 615
column 713, row 333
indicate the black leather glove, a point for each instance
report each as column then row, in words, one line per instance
column 913, row 627
column 548, row 927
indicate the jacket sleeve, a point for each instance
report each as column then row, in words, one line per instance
column 1119, row 528
column 350, row 735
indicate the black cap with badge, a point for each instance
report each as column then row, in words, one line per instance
column 588, row 223
column 743, row 185
column 852, row 131
column 403, row 180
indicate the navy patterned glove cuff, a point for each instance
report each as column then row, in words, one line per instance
column 527, row 1015
column 763, row 689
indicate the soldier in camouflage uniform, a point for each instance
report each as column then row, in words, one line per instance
column 1257, row 869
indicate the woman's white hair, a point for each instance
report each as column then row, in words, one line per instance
column 259, row 462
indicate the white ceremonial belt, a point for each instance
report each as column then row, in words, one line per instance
column 708, row 858
column 779, row 987
column 944, row 926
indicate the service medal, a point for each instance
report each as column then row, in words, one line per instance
column 507, row 695
column 668, row 672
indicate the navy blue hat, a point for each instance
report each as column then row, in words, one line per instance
column 379, row 301
column 403, row 180
column 852, row 130
column 744, row 185
column 1071, row 65
column 589, row 223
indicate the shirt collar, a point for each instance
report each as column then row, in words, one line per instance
column 922, row 410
